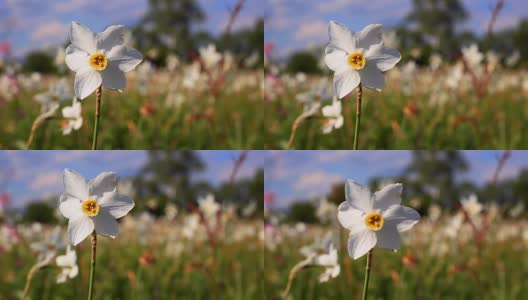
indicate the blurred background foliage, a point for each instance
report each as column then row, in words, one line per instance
column 431, row 27
column 168, row 27
column 168, row 177
column 432, row 177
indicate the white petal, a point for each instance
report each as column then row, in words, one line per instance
column 75, row 185
column 341, row 37
column 370, row 35
column 105, row 224
column 105, row 182
column 389, row 195
column 82, row 37
column 359, row 244
column 79, row 229
column 345, row 80
column 69, row 112
column 126, row 58
column 371, row 77
column 78, row 123
column 117, row 205
column 358, row 196
column 86, row 82
column 351, row 218
column 333, row 110
column 335, row 59
column 76, row 59
column 70, row 207
column 327, row 128
column 388, row 237
column 74, row 271
column 384, row 58
column 113, row 78
column 402, row 217
column 339, row 122
column 111, row 37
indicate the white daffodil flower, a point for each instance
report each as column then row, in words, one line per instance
column 100, row 58
column 374, row 220
column 51, row 99
column 72, row 117
column 358, row 57
column 334, row 118
column 92, row 205
column 68, row 265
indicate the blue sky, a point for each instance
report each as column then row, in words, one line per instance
column 292, row 175
column 37, row 174
column 40, row 23
column 298, row 24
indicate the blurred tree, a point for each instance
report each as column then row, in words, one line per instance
column 243, row 192
column 245, row 42
column 40, row 212
column 433, row 22
column 337, row 193
column 39, row 61
column 520, row 39
column 303, row 61
column 166, row 177
column 302, row 212
column 434, row 174
column 168, row 25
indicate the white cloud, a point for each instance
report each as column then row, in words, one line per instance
column 316, row 182
column 50, row 32
column 47, row 182
column 311, row 30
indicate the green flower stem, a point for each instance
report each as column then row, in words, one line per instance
column 92, row 266
column 359, row 93
column 98, row 96
column 367, row 274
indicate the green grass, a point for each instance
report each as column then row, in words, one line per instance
column 233, row 120
column 232, row 270
column 495, row 121
column 498, row 272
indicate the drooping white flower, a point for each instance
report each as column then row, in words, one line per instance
column 358, row 57
column 57, row 93
column 92, row 205
column 50, row 245
column 99, row 59
column 374, row 219
column 68, row 265
column 72, row 117
column 330, row 262
column 320, row 92
column 333, row 117
column 323, row 253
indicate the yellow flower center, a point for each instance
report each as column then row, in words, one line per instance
column 374, row 221
column 98, row 61
column 356, row 60
column 90, row 207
